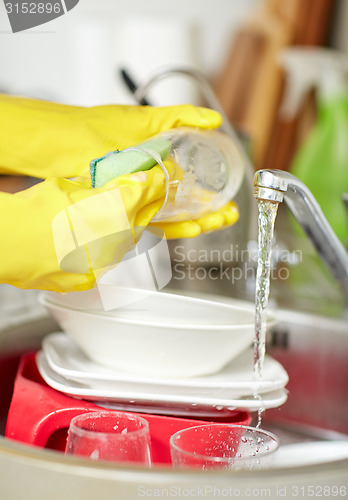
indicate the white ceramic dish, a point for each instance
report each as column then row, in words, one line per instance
column 235, row 380
column 111, row 393
column 163, row 335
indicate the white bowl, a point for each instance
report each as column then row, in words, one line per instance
column 163, row 335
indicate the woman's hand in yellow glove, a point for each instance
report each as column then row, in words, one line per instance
column 43, row 139
column 60, row 233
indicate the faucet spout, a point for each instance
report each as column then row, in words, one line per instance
column 277, row 185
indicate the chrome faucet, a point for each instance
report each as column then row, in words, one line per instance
column 276, row 186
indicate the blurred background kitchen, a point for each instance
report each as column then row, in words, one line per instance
column 79, row 58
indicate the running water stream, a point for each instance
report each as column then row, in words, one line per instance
column 266, row 219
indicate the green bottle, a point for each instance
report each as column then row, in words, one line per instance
column 322, row 161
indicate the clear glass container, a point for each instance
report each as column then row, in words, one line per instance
column 203, row 168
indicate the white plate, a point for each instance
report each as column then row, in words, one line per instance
column 162, row 335
column 113, row 392
column 235, row 380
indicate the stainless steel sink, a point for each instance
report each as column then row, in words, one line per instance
column 314, row 351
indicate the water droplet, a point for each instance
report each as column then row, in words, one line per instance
column 124, row 431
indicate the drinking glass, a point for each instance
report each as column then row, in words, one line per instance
column 206, row 168
column 222, row 446
column 110, row 436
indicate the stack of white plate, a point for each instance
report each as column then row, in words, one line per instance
column 66, row 368
column 170, row 354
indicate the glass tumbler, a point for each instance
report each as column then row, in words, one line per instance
column 203, row 168
column 222, row 446
column 110, row 436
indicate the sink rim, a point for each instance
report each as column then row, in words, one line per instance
column 52, row 459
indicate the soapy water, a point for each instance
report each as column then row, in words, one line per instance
column 267, row 212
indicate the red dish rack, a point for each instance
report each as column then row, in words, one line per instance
column 39, row 415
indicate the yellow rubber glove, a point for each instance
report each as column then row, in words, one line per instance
column 44, row 140
column 226, row 216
